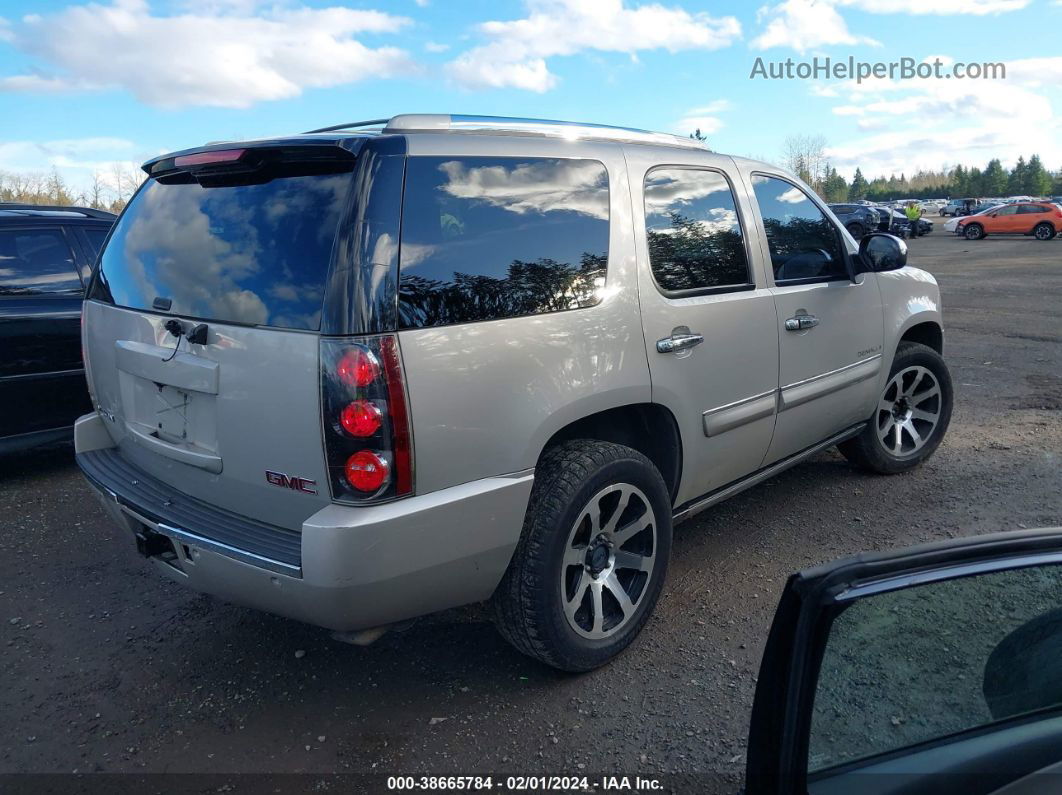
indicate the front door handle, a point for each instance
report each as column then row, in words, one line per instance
column 801, row 322
column 680, row 340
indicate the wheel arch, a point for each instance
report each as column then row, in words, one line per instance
column 649, row 428
column 927, row 332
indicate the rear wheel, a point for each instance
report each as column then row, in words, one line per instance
column 912, row 416
column 856, row 230
column 973, row 231
column 592, row 558
column 1044, row 231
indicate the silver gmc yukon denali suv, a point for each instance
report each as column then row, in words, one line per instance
column 370, row 372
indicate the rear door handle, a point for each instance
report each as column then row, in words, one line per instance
column 801, row 322
column 678, row 342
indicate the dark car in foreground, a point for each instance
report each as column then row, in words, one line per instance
column 46, row 255
column 858, row 219
column 932, row 669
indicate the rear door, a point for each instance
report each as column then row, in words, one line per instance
column 40, row 309
column 829, row 326
column 707, row 315
column 245, row 251
column 932, row 669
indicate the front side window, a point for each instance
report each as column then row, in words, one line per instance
column 693, row 232
column 1009, row 210
column 36, row 262
column 804, row 244
column 485, row 238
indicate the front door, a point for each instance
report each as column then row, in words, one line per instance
column 829, row 326
column 708, row 318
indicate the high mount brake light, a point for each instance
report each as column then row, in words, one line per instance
column 206, row 158
column 365, row 420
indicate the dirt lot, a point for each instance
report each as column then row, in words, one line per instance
column 108, row 667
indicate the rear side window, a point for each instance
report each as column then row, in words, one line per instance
column 693, row 232
column 804, row 244
column 1030, row 209
column 36, row 262
column 488, row 238
column 255, row 254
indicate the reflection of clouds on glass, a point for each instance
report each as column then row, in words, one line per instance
column 792, row 196
column 415, row 253
column 664, row 191
column 541, row 186
column 229, row 253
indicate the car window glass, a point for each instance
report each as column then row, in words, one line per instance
column 803, row 242
column 95, row 236
column 485, row 238
column 36, row 262
column 908, row 666
column 1029, row 209
column 693, row 232
column 1009, row 210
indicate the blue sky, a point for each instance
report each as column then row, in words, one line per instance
column 85, row 84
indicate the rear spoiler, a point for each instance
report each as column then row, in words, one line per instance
column 224, row 158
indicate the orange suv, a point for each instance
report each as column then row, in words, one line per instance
column 1043, row 220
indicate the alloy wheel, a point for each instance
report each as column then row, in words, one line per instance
column 909, row 411
column 609, row 559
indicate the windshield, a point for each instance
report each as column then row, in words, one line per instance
column 255, row 254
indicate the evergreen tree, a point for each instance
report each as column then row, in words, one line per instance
column 959, row 183
column 859, row 186
column 1037, row 180
column 975, row 184
column 1017, row 184
column 994, row 179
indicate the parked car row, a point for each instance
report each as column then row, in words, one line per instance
column 1042, row 220
column 863, row 219
column 46, row 257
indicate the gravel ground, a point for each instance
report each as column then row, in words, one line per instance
column 109, row 667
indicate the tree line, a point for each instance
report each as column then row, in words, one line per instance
column 106, row 190
column 806, row 156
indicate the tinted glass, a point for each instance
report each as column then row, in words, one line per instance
column 486, row 238
column 1029, row 209
column 255, row 254
column 1008, row 210
column 693, row 232
column 803, row 242
column 908, row 666
column 36, row 262
column 96, row 235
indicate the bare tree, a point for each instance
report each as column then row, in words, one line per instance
column 96, row 190
column 805, row 156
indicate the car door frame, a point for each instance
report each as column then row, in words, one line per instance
column 780, row 726
column 698, row 477
column 865, row 280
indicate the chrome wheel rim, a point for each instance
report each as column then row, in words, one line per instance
column 609, row 561
column 1042, row 232
column 909, row 411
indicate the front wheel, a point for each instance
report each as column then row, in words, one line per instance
column 592, row 557
column 973, row 232
column 912, row 415
column 1044, row 231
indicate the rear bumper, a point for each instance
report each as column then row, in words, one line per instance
column 358, row 567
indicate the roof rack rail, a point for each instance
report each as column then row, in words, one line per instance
column 443, row 122
column 90, row 212
column 353, row 125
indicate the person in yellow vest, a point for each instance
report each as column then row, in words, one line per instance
column 913, row 213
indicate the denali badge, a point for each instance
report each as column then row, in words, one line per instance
column 295, row 484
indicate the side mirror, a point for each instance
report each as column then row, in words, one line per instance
column 881, row 252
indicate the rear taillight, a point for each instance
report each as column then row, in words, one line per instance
column 366, row 422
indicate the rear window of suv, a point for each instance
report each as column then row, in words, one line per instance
column 485, row 238
column 255, row 254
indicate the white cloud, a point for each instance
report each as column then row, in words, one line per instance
column 223, row 53
column 703, row 118
column 516, row 51
column 804, row 25
column 932, row 123
column 434, row 46
column 5, row 30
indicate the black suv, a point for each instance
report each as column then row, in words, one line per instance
column 46, row 255
column 858, row 219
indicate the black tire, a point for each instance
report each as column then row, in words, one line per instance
column 973, row 231
column 856, row 230
column 868, row 451
column 528, row 603
column 1044, row 231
